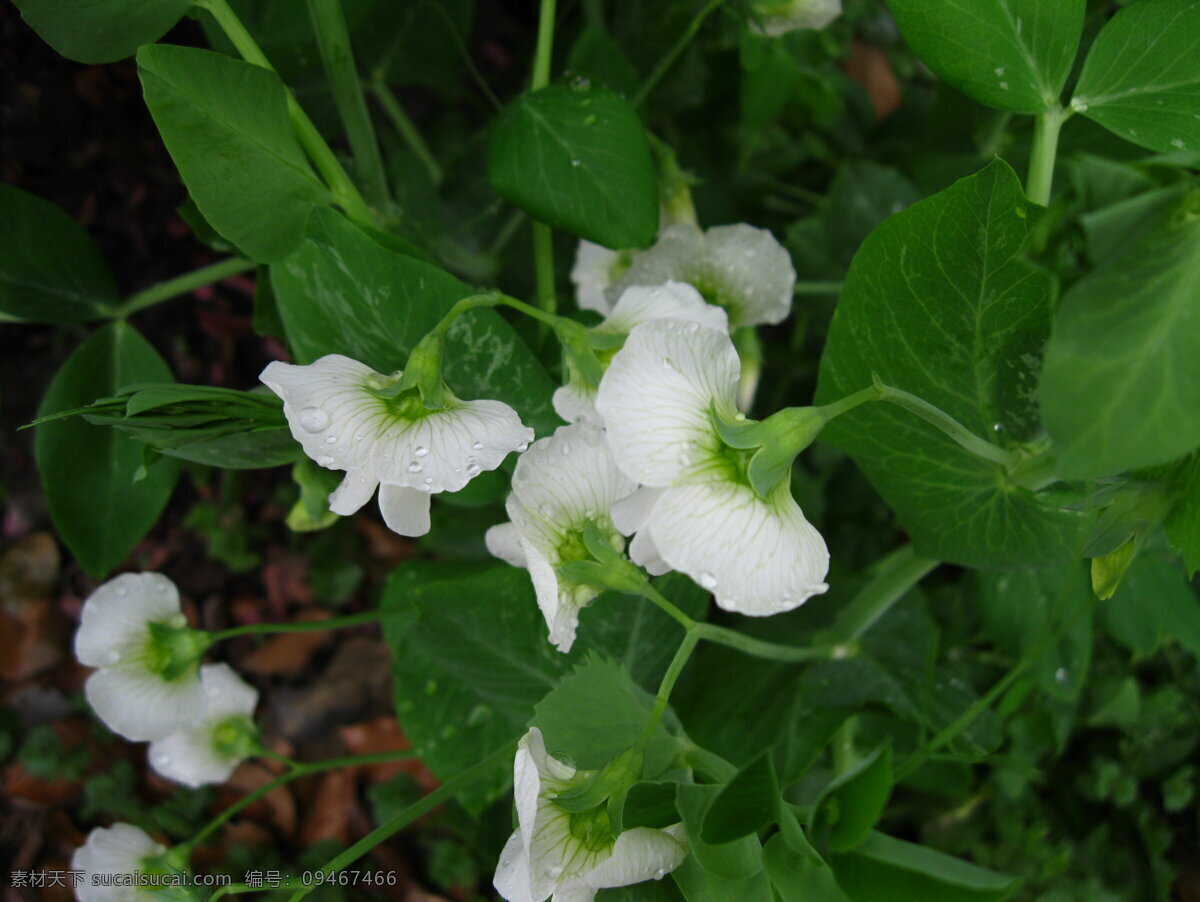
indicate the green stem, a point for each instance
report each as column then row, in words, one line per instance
column 543, row 240
column 673, row 54
column 345, row 192
column 301, row 626
column 674, row 669
column 1046, row 128
column 818, row 288
column 845, row 755
column 771, row 651
column 337, row 55
column 897, row 573
column 295, row 773
column 443, row 793
column 185, row 284
column 545, row 46
column 408, row 131
column 709, row 763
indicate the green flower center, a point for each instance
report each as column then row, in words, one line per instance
column 592, row 828
column 172, row 649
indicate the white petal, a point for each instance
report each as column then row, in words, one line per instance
column 800, row 14
column 191, row 759
column 355, row 491
column 573, row 401
column 639, row 854
column 445, row 450
column 677, row 256
column 115, row 617
column 504, row 542
column 594, row 270
column 512, row 872
column 119, row 849
column 657, row 395
column 559, row 603
column 141, row 706
column 751, row 274
column 405, row 510
column 574, row 892
column 757, row 557
column 629, row 514
column 644, row 553
column 225, row 693
column 671, row 300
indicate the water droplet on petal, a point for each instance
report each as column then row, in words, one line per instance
column 693, row 327
column 313, row 419
column 331, row 439
column 566, row 448
column 112, row 657
column 524, row 446
column 415, row 467
column 659, row 874
column 420, row 451
column 554, row 872
column 473, row 470
column 429, row 480
column 325, row 460
column 478, row 446
column 708, row 581
column 545, row 509
column 667, row 365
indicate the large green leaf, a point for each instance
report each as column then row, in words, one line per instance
column 1010, row 54
column 341, row 292
column 940, row 303
column 88, row 471
column 1141, row 78
column 745, row 805
column 798, row 877
column 225, row 123
column 849, row 806
column 887, row 868
column 1121, row 382
column 735, row 860
column 50, row 271
column 1183, row 524
column 471, row 657
column 1154, row 603
column 101, row 31
column 576, row 157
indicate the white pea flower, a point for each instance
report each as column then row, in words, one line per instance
column 576, row 400
column 208, row 751
column 113, row 854
column 560, row 483
column 596, row 267
column 571, row 856
column 738, row 267
column 133, row 629
column 396, row 444
column 659, row 398
column 777, row 17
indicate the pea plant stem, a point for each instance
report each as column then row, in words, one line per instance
column 184, row 284
column 337, row 55
column 295, row 772
column 1046, row 129
column 896, row 574
column 664, row 65
column 407, row 129
column 345, row 192
column 301, row 626
column 674, row 669
column 543, row 240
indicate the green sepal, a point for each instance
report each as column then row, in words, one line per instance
column 1108, row 570
column 177, row 648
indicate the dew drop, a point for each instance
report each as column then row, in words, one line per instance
column 1178, row 143
column 693, row 328
column 415, row 467
column 473, row 470
column 359, row 436
column 420, row 451
column 667, row 365
column 478, row 446
column 1061, row 676
column 566, row 449
column 331, row 439
column 708, row 581
column 554, row 872
column 581, row 83
column 740, row 417
column 429, row 480
column 505, row 862
column 524, row 446
column 659, row 874
column 314, row 419
column 325, row 460
column 545, row 509
column 576, row 162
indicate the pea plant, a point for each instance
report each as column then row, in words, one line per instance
column 809, row 398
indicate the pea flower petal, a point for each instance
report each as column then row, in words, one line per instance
column 700, row 515
column 132, row 692
column 119, row 849
column 336, row 416
column 548, row 854
column 738, row 267
column 210, row 750
column 596, row 267
column 778, row 17
column 560, row 483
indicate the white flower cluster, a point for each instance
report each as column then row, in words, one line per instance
column 150, row 686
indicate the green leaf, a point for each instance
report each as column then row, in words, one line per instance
column 1154, row 603
column 471, row 657
column 798, row 877
column 648, row 891
column 745, row 805
column 699, row 885
column 596, row 55
column 225, row 124
column 616, row 708
column 88, row 471
column 576, row 157
column 1009, row 54
column 1121, row 379
column 849, row 806
column 887, row 868
column 342, row 293
column 1141, row 79
column 940, row 303
column 50, row 271
column 734, row 860
column 1183, row 523
column 649, row 804
column 101, row 31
